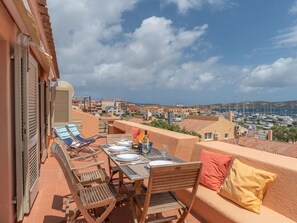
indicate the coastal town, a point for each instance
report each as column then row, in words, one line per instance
column 124, row 111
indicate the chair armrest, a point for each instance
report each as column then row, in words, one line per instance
column 95, row 154
column 87, row 166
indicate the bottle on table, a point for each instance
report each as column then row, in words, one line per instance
column 145, row 143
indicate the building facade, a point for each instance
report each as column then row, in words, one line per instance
column 27, row 66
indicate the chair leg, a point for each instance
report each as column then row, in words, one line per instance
column 183, row 216
column 73, row 215
column 106, row 213
column 134, row 211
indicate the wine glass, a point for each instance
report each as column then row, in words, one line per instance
column 164, row 151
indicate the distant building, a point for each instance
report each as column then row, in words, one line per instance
column 212, row 127
column 115, row 106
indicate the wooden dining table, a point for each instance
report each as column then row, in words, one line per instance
column 138, row 170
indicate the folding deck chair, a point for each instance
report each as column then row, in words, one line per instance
column 94, row 202
column 164, row 180
column 72, row 128
column 66, row 138
column 84, row 174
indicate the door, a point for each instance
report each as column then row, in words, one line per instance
column 31, row 149
column 26, row 130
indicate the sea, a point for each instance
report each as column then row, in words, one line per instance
column 268, row 111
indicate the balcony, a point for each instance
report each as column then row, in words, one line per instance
column 278, row 204
column 49, row 206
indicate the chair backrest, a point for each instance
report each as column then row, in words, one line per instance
column 64, row 135
column 60, row 154
column 114, row 138
column 174, row 177
column 73, row 129
column 166, row 178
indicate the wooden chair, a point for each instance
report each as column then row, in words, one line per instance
column 160, row 196
column 89, row 200
column 96, row 175
column 113, row 139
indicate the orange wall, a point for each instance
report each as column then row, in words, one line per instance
column 180, row 145
column 90, row 123
column 8, row 32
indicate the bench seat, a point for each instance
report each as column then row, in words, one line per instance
column 213, row 208
column 280, row 200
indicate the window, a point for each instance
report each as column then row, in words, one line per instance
column 207, row 135
column 226, row 135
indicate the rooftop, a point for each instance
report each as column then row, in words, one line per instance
column 195, row 124
column 281, row 148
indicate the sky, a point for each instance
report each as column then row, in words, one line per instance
column 193, row 52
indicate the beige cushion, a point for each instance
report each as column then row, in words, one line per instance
column 246, row 185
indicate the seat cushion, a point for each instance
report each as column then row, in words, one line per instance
column 214, row 169
column 213, row 208
column 246, row 185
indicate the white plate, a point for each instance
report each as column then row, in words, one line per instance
column 117, row 148
column 125, row 143
column 160, row 162
column 127, row 157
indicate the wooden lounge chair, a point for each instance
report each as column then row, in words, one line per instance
column 87, row 199
column 113, row 139
column 160, row 196
column 96, row 175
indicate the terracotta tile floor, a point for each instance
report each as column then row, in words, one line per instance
column 48, row 206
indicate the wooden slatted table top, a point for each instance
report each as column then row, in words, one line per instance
column 137, row 170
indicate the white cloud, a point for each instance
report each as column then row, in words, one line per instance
column 96, row 55
column 280, row 74
column 192, row 75
column 184, row 6
column 293, row 9
column 287, row 39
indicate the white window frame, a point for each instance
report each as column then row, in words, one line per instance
column 208, row 136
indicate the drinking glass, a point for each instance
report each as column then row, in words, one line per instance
column 164, row 151
column 145, row 150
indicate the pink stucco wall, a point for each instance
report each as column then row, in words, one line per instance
column 8, row 33
column 90, row 123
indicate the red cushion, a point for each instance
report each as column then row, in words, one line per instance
column 135, row 132
column 214, row 169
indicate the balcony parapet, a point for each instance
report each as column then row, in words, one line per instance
column 179, row 144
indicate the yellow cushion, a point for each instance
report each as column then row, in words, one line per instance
column 246, row 185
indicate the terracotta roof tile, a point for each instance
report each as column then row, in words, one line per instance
column 195, row 124
column 281, row 148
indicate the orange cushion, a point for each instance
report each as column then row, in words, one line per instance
column 246, row 185
column 214, row 169
column 141, row 135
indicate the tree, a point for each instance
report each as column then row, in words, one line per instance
column 174, row 127
column 284, row 133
